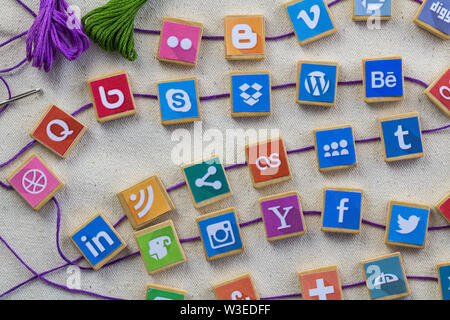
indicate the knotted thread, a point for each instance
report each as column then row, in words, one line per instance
column 56, row 28
column 112, row 26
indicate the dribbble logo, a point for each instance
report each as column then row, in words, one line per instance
column 178, row 100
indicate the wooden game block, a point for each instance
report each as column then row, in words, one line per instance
column 439, row 91
column 443, row 207
column 392, row 80
column 335, row 148
column 395, row 148
column 268, row 162
column 282, row 215
column 321, row 284
column 160, row 247
column 245, row 37
column 58, row 131
column 179, row 101
column 342, row 210
column 238, row 288
column 386, row 269
column 305, row 27
column 159, row 292
column 407, row 224
column 98, row 241
column 384, row 15
column 35, row 182
column 220, row 233
column 331, row 70
column 145, row 202
column 443, row 271
column 207, row 182
column 112, row 96
column 430, row 23
column 250, row 102
column 180, row 41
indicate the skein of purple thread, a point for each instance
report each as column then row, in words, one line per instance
column 56, row 28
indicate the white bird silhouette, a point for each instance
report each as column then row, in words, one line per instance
column 407, row 226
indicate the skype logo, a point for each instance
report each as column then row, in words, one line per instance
column 178, row 100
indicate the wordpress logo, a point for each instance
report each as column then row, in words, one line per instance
column 317, row 83
column 178, row 100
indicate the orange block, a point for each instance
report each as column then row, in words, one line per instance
column 321, row 284
column 239, row 288
column 268, row 162
column 245, row 37
column 145, row 202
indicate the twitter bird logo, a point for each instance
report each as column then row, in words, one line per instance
column 407, row 226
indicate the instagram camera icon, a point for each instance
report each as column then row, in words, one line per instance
column 220, row 233
column 112, row 96
column 180, row 41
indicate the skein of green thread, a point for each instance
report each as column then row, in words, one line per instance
column 112, row 26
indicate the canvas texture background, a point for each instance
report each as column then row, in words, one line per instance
column 115, row 155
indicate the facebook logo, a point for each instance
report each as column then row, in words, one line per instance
column 342, row 210
column 402, row 136
column 383, row 78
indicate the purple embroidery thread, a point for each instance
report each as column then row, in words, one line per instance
column 53, row 31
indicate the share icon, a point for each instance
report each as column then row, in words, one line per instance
column 201, row 182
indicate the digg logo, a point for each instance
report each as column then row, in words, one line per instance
column 442, row 13
column 178, row 100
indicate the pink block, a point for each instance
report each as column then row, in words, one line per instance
column 179, row 42
column 34, row 182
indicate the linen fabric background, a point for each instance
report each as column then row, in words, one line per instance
column 116, row 155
